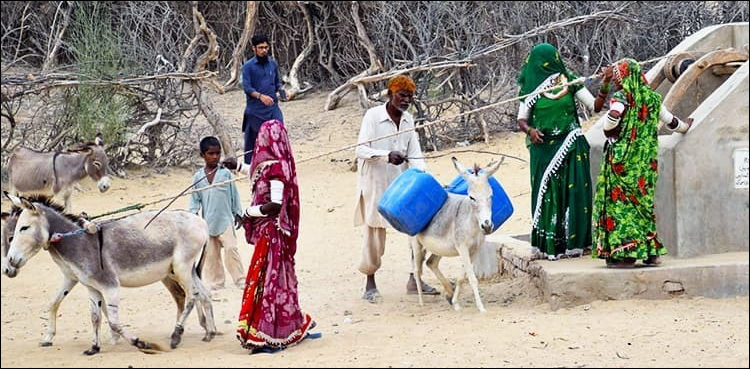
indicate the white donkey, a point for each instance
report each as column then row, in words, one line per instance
column 122, row 253
column 33, row 172
column 458, row 229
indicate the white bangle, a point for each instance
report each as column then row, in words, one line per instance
column 611, row 122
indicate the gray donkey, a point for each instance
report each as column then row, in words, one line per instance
column 10, row 220
column 34, row 172
column 122, row 253
column 458, row 229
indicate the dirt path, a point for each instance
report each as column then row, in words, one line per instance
column 516, row 331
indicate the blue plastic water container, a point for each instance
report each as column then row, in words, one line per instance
column 501, row 205
column 411, row 201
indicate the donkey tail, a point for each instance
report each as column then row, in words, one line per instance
column 201, row 260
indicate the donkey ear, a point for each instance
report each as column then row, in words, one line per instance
column 99, row 140
column 28, row 205
column 21, row 202
column 459, row 167
column 492, row 167
column 13, row 198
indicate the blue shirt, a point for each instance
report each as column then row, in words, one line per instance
column 219, row 204
column 263, row 78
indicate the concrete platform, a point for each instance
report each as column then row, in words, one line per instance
column 577, row 281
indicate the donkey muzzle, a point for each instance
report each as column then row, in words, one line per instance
column 487, row 227
column 103, row 184
column 9, row 269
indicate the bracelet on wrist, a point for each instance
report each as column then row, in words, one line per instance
column 528, row 130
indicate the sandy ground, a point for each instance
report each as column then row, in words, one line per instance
column 517, row 331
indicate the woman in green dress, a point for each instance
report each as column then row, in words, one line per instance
column 625, row 223
column 558, row 152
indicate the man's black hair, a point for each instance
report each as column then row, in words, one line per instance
column 259, row 39
column 208, row 142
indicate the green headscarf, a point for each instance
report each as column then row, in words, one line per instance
column 543, row 61
column 635, row 89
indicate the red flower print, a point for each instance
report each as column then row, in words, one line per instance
column 618, row 168
column 610, row 224
column 624, row 71
column 632, row 134
column 617, row 194
column 631, row 101
column 634, row 200
column 654, row 165
column 643, row 113
column 642, row 185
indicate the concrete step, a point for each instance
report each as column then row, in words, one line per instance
column 577, row 281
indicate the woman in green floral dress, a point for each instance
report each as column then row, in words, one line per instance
column 558, row 152
column 625, row 223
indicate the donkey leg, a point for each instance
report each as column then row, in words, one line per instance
column 112, row 298
column 432, row 263
column 416, row 250
column 204, row 299
column 197, row 294
column 95, row 303
column 463, row 253
column 177, row 293
column 456, row 289
column 63, row 291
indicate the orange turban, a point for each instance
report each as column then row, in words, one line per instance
column 401, row 82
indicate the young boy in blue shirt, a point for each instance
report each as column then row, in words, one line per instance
column 221, row 207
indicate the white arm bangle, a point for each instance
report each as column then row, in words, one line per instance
column 254, row 211
column 665, row 116
column 243, row 168
column 682, row 127
column 617, row 106
column 523, row 111
column 277, row 191
column 611, row 122
column 583, row 95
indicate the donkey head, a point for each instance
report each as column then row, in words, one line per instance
column 480, row 191
column 96, row 163
column 9, row 227
column 23, row 235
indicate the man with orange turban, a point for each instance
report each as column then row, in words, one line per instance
column 380, row 162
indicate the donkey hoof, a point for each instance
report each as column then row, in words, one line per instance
column 209, row 336
column 92, row 351
column 143, row 345
column 45, row 344
column 176, row 336
column 449, row 299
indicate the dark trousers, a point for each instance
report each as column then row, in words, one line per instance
column 251, row 126
column 251, row 133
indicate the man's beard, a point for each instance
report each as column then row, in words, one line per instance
column 262, row 59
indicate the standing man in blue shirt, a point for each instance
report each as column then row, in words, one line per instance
column 261, row 82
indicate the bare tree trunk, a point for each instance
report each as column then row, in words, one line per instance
column 295, row 87
column 49, row 61
column 375, row 64
column 205, row 104
column 214, row 119
column 251, row 15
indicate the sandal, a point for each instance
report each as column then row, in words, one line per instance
column 652, row 260
column 621, row 263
